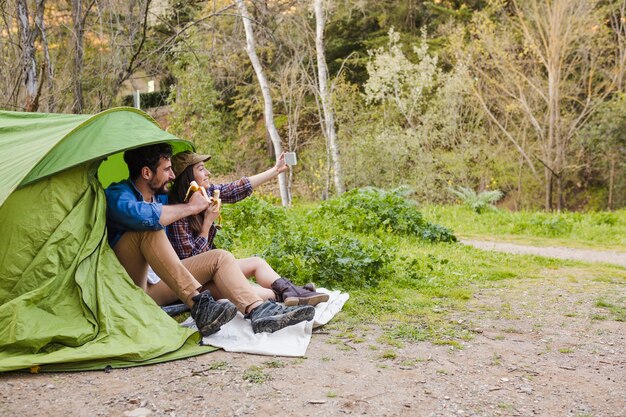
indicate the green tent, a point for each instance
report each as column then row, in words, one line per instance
column 65, row 301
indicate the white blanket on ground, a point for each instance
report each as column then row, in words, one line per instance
column 237, row 335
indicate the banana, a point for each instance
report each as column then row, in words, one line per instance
column 193, row 187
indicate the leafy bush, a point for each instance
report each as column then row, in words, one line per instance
column 340, row 262
column 477, row 202
column 252, row 214
column 365, row 210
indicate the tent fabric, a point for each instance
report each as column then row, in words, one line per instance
column 65, row 301
column 36, row 145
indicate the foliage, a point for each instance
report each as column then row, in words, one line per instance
column 394, row 79
column 194, row 110
column 367, row 210
column 478, row 202
column 417, row 124
column 460, row 106
column 603, row 140
column 510, row 48
column 338, row 262
column 254, row 216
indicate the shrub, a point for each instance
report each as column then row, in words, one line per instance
column 252, row 214
column 365, row 210
column 477, row 202
column 338, row 262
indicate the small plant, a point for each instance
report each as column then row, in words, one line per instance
column 274, row 363
column 389, row 354
column 566, row 350
column 478, row 202
column 256, row 375
column 218, row 366
column 496, row 359
column 331, row 394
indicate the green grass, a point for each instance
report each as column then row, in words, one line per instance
column 617, row 313
column 595, row 230
column 411, row 291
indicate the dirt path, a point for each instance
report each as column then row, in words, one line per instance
column 586, row 255
column 536, row 348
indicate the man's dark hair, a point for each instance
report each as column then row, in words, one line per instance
column 146, row 156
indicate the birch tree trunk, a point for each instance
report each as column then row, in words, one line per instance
column 28, row 36
column 328, row 122
column 267, row 98
column 77, row 17
column 39, row 21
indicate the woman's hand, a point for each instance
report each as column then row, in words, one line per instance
column 271, row 173
column 211, row 213
column 280, row 164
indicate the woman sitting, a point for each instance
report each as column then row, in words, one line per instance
column 195, row 234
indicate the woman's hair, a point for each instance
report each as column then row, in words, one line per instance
column 177, row 196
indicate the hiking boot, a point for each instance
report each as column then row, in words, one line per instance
column 292, row 295
column 270, row 317
column 209, row 314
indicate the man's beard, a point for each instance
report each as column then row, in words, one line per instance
column 163, row 189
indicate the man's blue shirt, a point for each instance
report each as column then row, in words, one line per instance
column 127, row 211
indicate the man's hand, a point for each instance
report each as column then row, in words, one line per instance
column 197, row 203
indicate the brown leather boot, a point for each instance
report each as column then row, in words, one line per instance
column 292, row 295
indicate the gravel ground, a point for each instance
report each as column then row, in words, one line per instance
column 539, row 347
column 586, row 255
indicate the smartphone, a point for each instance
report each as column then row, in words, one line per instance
column 290, row 158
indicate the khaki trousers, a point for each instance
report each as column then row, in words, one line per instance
column 215, row 270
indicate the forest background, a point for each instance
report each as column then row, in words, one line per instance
column 522, row 96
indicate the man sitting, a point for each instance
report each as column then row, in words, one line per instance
column 137, row 214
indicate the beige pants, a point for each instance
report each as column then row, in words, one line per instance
column 215, row 270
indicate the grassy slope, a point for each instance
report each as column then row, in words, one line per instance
column 426, row 282
column 601, row 230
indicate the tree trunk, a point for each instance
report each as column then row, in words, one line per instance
column 328, row 124
column 267, row 98
column 28, row 36
column 560, row 202
column 48, row 68
column 77, row 70
column 612, row 163
column 549, row 179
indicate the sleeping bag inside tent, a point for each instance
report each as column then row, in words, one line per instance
column 66, row 303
